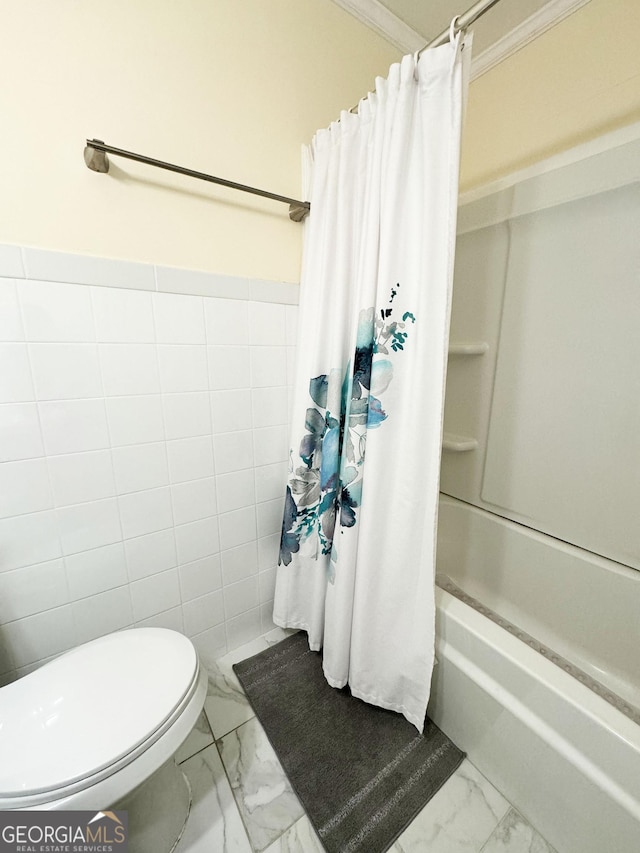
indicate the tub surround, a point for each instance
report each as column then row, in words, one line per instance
column 144, row 425
column 538, row 677
column 546, row 276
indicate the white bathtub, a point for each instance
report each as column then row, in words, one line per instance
column 566, row 757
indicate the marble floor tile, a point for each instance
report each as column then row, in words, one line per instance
column 515, row 835
column 459, row 818
column 214, row 825
column 226, row 706
column 198, row 738
column 299, row 838
column 264, row 796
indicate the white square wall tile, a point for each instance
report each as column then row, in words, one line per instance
column 145, row 512
column 292, row 365
column 129, row 369
column 15, row 374
column 194, row 500
column 203, row 613
column 268, row 366
column 89, row 525
column 122, row 316
column 269, row 516
column 197, row 539
column 140, row 466
column 32, row 589
column 187, row 415
column 40, row 636
column 20, row 436
column 226, row 321
column 237, row 527
column 135, row 420
column 11, row 328
column 268, row 551
column 200, row 577
column 292, row 313
column 71, row 426
column 271, row 445
column 29, row 539
column 155, row 594
column 267, row 584
column 171, row 619
column 183, row 368
column 211, row 644
column 266, row 618
column 229, row 367
column 103, row 613
column 267, row 324
column 271, row 481
column 270, row 406
column 99, row 570
column 190, row 459
column 239, row 563
column 244, row 628
column 231, row 410
column 65, row 371
column 56, row 312
column 150, row 554
column 24, row 487
column 235, row 490
column 233, row 451
column 81, row 477
column 179, row 319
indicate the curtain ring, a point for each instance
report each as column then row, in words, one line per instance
column 452, row 29
column 416, row 57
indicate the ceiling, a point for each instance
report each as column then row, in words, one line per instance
column 430, row 17
column 507, row 26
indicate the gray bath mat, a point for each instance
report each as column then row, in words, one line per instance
column 361, row 773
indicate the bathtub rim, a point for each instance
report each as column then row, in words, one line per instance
column 581, row 787
column 583, row 700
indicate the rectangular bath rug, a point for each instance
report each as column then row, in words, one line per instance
column 362, row 773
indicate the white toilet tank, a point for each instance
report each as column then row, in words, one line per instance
column 91, row 712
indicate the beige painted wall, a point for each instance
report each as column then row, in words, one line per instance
column 234, row 87
column 575, row 82
column 229, row 87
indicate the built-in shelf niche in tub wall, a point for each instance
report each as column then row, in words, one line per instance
column 481, row 258
column 453, row 442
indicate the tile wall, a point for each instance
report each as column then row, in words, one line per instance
column 143, row 448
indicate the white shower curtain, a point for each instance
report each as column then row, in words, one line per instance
column 358, row 536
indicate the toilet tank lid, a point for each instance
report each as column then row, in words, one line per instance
column 90, row 707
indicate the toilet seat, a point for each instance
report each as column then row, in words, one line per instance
column 118, row 705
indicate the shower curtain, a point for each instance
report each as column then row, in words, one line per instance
column 359, row 529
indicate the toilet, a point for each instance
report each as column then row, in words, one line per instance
column 98, row 727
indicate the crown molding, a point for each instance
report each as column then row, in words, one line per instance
column 544, row 19
column 376, row 16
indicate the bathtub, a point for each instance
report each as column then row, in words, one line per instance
column 538, row 647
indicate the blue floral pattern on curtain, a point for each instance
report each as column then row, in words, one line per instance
column 327, row 487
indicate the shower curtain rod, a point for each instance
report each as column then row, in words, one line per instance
column 95, row 156
column 461, row 23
